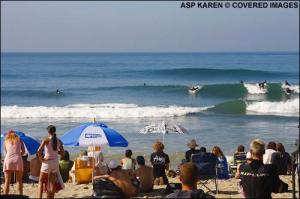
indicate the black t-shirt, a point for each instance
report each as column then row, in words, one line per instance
column 281, row 160
column 189, row 154
column 159, row 161
column 259, row 180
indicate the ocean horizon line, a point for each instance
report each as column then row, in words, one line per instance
column 152, row 52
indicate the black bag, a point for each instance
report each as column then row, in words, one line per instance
column 199, row 194
column 11, row 196
column 104, row 188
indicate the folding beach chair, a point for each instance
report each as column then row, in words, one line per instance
column 238, row 158
column 207, row 169
column 84, row 170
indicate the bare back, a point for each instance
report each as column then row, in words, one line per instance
column 146, row 178
column 123, row 180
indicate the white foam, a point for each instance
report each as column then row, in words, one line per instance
column 255, row 89
column 287, row 108
column 294, row 88
column 111, row 111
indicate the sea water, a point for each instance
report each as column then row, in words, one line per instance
column 128, row 91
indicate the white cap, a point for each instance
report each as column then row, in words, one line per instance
column 248, row 155
column 113, row 164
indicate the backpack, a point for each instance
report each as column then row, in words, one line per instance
column 104, row 188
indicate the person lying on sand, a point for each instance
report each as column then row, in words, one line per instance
column 124, row 179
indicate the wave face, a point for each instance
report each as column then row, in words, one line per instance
column 231, row 107
column 213, row 90
column 101, row 111
column 287, row 108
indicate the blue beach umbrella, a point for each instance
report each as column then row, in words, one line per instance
column 31, row 144
column 94, row 133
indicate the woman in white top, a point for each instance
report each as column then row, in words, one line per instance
column 50, row 163
column 128, row 162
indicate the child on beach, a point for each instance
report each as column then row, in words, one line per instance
column 160, row 162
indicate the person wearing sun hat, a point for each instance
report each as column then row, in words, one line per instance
column 192, row 145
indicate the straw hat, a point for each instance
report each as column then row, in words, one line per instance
column 192, row 144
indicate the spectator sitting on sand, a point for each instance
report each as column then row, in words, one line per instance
column 238, row 169
column 26, row 168
column 282, row 160
column 222, row 163
column 192, row 145
column 121, row 178
column 202, row 150
column 35, row 168
column 257, row 179
column 128, row 162
column 271, row 148
column 65, row 165
column 95, row 151
column 160, row 162
column 240, row 155
column 81, row 161
column 188, row 178
column 145, row 175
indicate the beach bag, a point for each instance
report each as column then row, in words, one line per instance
column 104, row 188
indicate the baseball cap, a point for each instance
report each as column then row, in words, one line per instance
column 113, row 164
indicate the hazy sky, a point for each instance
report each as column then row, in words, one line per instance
column 144, row 26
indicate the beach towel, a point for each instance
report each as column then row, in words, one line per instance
column 59, row 184
column 104, row 188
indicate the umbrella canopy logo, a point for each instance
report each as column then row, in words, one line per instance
column 92, row 135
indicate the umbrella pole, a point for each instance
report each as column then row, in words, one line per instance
column 93, row 162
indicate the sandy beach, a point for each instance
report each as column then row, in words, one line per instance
column 227, row 189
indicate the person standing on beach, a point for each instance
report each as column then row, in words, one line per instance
column 52, row 146
column 259, row 180
column 13, row 162
column 192, row 145
column 160, row 162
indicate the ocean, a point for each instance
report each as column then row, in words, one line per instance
column 128, row 91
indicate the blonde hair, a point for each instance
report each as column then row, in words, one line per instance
column 257, row 147
column 158, row 146
column 12, row 137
